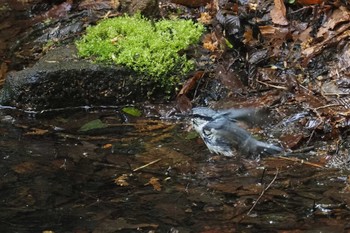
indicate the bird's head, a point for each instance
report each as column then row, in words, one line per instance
column 200, row 116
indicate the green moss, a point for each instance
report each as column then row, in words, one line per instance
column 146, row 47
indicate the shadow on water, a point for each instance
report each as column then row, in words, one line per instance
column 134, row 174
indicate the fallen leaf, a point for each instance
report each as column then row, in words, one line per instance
column 338, row 17
column 132, row 111
column 25, row 167
column 278, row 13
column 205, row 18
column 183, row 103
column 310, row 2
column 191, row 3
column 122, row 180
column 333, row 31
column 95, row 124
column 229, row 78
column 107, row 146
column 210, row 42
column 155, row 183
column 98, row 4
column 190, row 83
column 291, row 141
column 37, row 132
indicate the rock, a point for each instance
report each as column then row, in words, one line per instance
column 59, row 79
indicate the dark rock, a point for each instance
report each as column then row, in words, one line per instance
column 59, row 79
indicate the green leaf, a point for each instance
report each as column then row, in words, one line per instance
column 95, row 124
column 228, row 44
column 132, row 111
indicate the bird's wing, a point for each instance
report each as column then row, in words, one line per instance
column 225, row 128
column 248, row 115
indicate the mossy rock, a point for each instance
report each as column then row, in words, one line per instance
column 60, row 79
column 150, row 48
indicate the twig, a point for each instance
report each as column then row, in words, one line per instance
column 328, row 105
column 263, row 192
column 146, row 165
column 271, row 85
column 300, row 161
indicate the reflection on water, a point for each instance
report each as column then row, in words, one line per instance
column 139, row 174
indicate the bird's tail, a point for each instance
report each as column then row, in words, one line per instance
column 266, row 149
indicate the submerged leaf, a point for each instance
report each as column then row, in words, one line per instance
column 95, row 124
column 122, row 180
column 132, row 111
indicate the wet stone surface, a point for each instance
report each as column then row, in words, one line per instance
column 60, row 79
column 137, row 174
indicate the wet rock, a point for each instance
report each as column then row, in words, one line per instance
column 60, row 79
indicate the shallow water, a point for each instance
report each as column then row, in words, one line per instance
column 146, row 174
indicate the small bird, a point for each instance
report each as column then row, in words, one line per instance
column 221, row 134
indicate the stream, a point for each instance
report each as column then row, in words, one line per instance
column 152, row 174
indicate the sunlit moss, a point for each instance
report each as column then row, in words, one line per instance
column 150, row 48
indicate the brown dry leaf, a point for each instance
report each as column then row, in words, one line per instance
column 191, row 3
column 229, row 79
column 205, row 18
column 249, row 38
column 183, row 103
column 107, row 146
column 339, row 16
column 155, row 183
column 98, row 4
column 210, row 42
column 291, row 141
column 273, row 32
column 122, row 180
column 190, row 83
column 310, row 2
column 278, row 13
column 305, row 38
column 309, row 100
column 24, row 167
column 334, row 30
column 318, row 48
column 267, row 30
column 36, row 131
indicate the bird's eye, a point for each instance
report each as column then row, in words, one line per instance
column 207, row 132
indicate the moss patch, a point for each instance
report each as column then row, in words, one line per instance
column 146, row 47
